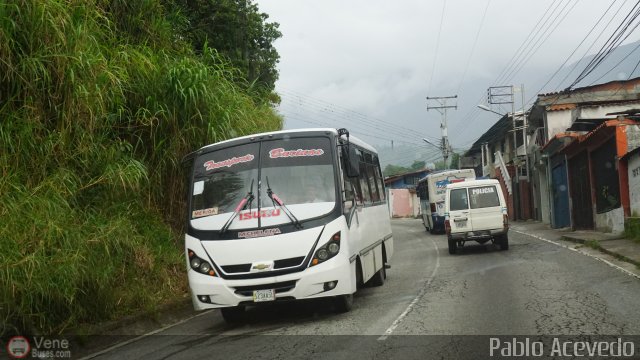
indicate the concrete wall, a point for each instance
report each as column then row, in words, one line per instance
column 611, row 221
column 600, row 111
column 634, row 184
column 558, row 121
column 543, row 190
column 403, row 203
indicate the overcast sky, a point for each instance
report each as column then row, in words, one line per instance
column 368, row 65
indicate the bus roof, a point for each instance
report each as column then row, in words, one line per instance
column 441, row 172
column 333, row 131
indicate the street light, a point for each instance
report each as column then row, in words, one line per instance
column 486, row 108
column 430, row 143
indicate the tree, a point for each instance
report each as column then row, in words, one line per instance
column 391, row 170
column 240, row 32
column 418, row 165
column 453, row 164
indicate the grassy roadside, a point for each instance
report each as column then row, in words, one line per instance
column 99, row 100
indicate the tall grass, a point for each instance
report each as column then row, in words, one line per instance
column 99, row 100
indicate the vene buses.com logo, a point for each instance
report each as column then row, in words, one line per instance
column 18, row 347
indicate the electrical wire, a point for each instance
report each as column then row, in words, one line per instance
column 435, row 56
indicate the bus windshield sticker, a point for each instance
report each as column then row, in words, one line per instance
column 262, row 214
column 282, row 153
column 212, row 165
column 204, row 212
column 258, row 233
column 198, row 188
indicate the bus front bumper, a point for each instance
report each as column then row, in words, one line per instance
column 311, row 283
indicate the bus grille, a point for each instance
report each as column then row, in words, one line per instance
column 232, row 269
column 285, row 263
column 278, row 264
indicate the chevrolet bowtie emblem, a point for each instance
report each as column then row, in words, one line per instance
column 261, row 266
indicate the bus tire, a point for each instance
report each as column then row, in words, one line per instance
column 452, row 246
column 343, row 303
column 359, row 277
column 504, row 242
column 379, row 276
column 234, row 314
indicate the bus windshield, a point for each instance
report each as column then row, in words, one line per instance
column 299, row 171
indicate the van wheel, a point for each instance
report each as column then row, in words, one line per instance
column 504, row 242
column 379, row 276
column 452, row 246
column 343, row 303
column 234, row 314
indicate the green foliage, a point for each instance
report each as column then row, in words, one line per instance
column 632, row 228
column 240, row 32
column 454, row 163
column 418, row 165
column 99, row 101
column 391, row 170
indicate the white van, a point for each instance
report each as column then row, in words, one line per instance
column 476, row 210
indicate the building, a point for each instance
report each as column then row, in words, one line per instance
column 401, row 193
column 578, row 146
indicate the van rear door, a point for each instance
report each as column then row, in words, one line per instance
column 485, row 208
column 459, row 217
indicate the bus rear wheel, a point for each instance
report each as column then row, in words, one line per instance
column 234, row 314
column 379, row 276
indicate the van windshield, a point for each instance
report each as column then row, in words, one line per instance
column 299, row 171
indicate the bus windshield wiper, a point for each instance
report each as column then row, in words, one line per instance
column 247, row 199
column 277, row 201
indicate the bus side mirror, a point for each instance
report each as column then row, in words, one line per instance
column 352, row 163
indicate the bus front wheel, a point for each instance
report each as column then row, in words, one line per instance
column 234, row 314
column 343, row 303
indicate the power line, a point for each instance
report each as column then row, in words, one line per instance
column 435, row 56
column 524, row 45
column 473, row 47
column 616, row 38
column 324, row 105
column 577, row 47
column 618, row 64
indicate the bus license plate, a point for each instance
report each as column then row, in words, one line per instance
column 264, row 295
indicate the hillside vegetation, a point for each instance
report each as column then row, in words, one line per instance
column 99, row 101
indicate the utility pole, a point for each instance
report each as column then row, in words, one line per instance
column 442, row 107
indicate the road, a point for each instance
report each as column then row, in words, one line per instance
column 534, row 288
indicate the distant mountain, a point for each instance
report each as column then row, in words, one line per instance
column 617, row 66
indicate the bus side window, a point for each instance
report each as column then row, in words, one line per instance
column 375, row 197
column 351, row 187
column 379, row 178
column 364, row 183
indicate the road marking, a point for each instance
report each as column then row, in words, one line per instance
column 124, row 343
column 580, row 252
column 406, row 311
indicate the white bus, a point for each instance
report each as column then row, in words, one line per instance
column 285, row 215
column 431, row 190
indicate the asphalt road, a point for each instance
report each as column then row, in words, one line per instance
column 534, row 288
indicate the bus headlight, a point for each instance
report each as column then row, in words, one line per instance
column 327, row 251
column 200, row 265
